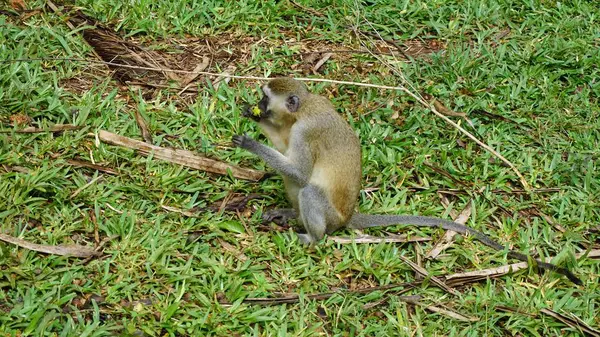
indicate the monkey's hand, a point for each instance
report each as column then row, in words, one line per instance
column 242, row 141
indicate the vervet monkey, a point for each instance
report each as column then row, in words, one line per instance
column 319, row 157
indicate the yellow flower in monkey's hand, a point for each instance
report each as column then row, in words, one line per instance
column 255, row 111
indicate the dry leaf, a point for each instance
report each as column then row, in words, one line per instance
column 18, row 5
column 443, row 110
column 322, row 61
column 180, row 211
column 423, row 272
column 228, row 71
column 19, row 119
column 447, row 239
column 476, row 275
column 200, row 67
column 146, row 135
column 572, row 321
column 234, row 251
column 68, row 250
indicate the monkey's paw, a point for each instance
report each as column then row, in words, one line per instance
column 306, row 239
column 241, row 140
column 247, row 110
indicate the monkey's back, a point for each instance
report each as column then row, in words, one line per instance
column 337, row 166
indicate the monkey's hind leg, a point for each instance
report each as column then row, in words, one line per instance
column 313, row 206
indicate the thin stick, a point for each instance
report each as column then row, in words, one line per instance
column 323, row 80
column 433, row 109
column 294, row 298
column 90, row 183
column 64, row 250
column 423, row 272
column 180, row 156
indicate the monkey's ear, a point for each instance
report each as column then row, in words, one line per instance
column 292, row 103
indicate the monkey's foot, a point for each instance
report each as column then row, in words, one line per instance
column 279, row 216
column 305, row 239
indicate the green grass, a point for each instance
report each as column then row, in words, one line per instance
column 542, row 76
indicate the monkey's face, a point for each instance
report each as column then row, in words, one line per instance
column 275, row 108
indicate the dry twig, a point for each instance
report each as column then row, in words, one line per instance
column 423, row 272
column 63, row 250
column 294, row 298
column 448, row 237
column 82, row 163
column 181, row 157
column 476, row 275
column 53, row 128
column 443, row 311
column 419, row 98
column 323, row 80
column 321, row 62
column 572, row 321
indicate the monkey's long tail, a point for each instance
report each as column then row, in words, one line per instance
column 359, row 221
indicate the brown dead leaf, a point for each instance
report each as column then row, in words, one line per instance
column 322, row 61
column 549, row 220
column 30, row 13
column 423, row 272
column 447, row 239
column 233, row 250
column 66, row 250
column 137, row 305
column 513, row 310
column 475, row 275
column 19, row 169
column 592, row 254
column 83, row 301
column 444, row 110
column 307, row 61
column 309, row 10
column 220, row 79
column 294, row 298
column 572, row 321
column 180, row 211
column 141, row 122
column 200, row 67
column 19, row 119
column 18, row 5
column 233, row 203
column 502, row 34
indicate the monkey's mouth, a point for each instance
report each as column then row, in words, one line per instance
column 256, row 113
